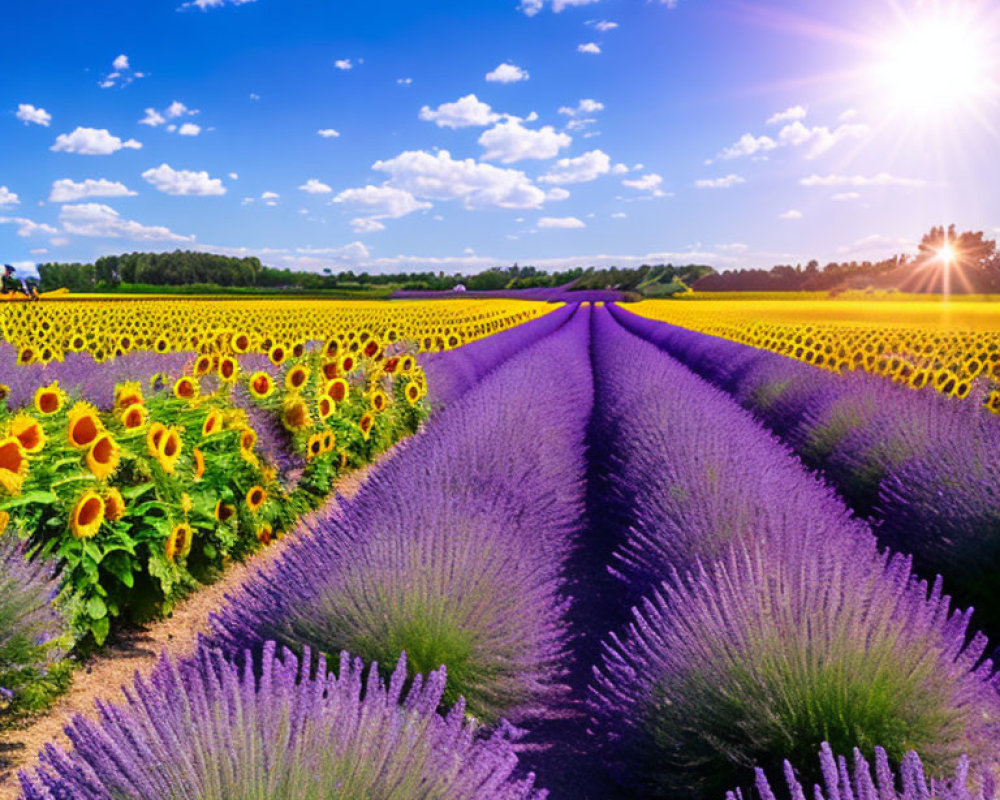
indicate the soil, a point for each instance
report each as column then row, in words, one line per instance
column 102, row 675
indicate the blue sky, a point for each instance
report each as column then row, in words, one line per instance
column 460, row 135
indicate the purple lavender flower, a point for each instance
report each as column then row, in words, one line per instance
column 687, row 471
column 839, row 780
column 451, row 373
column 781, row 646
column 31, row 629
column 203, row 729
column 454, row 550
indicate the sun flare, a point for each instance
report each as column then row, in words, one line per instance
column 937, row 64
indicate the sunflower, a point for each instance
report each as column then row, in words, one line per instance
column 134, row 417
column 379, row 400
column 49, row 399
column 203, row 364
column 213, row 423
column 114, row 505
column 199, row 464
column 4, row 521
column 406, row 364
column 265, row 534
column 412, row 392
column 87, row 515
column 330, row 370
column 178, row 542
column 128, row 394
column 169, row 450
column 347, row 364
column 296, row 378
column 26, row 356
column 255, row 498
column 13, row 465
column 277, row 354
column 261, row 385
column 296, row 415
column 993, row 402
column 242, row 342
column 372, row 348
column 329, row 440
column 337, row 390
column 162, row 345
column 224, row 511
column 229, row 368
column 314, row 447
column 186, row 388
column 103, row 456
column 154, row 436
column 325, row 407
column 248, row 439
column 186, row 503
column 28, row 432
column 365, row 424
column 83, row 426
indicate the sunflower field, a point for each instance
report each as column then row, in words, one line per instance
column 604, row 551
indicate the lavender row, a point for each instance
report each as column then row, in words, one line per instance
column 205, row 729
column 923, row 466
column 773, row 623
column 451, row 373
column 454, row 551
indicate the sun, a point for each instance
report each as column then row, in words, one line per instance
column 936, row 63
column 946, row 254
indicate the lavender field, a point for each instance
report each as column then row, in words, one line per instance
column 621, row 559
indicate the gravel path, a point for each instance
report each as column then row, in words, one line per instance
column 103, row 675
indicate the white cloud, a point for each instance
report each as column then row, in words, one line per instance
column 819, row 139
column 590, row 47
column 122, row 73
column 860, row 181
column 556, row 193
column 532, row 7
column 366, row 225
column 789, row 115
column 92, row 142
column 440, row 177
column 68, row 191
column 178, row 109
column 465, row 112
column 270, row 198
column 328, row 133
column 27, row 227
column 7, row 197
column 621, row 169
column 404, row 81
column 189, row 129
column 728, row 182
column 844, row 196
column 650, row 182
column 254, row 96
column 791, row 214
column 848, row 115
column 314, row 186
column 509, row 141
column 581, row 169
column 27, row 113
column 619, row 215
column 566, row 223
column 96, row 219
column 602, row 25
column 748, row 145
column 734, row 247
column 183, row 182
column 152, row 118
column 507, row 73
column 343, row 63
column 585, row 106
column 384, row 202
column 205, row 5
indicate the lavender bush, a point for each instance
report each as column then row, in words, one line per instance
column 839, row 780
column 206, row 730
column 451, row 373
column 453, row 550
column 32, row 633
column 689, row 473
column 924, row 466
column 779, row 647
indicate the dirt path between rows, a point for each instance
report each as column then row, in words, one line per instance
column 103, row 675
